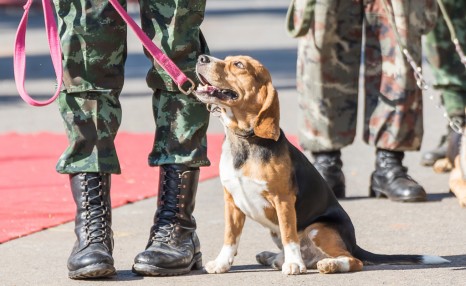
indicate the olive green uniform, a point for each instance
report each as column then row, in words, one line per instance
column 93, row 38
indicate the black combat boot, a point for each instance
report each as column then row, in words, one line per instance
column 173, row 247
column 430, row 157
column 91, row 256
column 329, row 165
column 391, row 179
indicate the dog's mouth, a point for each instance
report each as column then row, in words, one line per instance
column 207, row 89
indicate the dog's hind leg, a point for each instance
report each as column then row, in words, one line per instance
column 335, row 255
column 267, row 258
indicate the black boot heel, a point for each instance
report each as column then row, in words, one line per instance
column 375, row 194
column 198, row 264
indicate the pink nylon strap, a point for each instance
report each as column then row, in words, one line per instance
column 163, row 60
column 19, row 56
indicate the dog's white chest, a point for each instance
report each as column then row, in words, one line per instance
column 246, row 192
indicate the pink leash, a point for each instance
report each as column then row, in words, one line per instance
column 19, row 57
column 55, row 52
column 163, row 60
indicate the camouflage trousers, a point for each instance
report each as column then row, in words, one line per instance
column 343, row 35
column 449, row 72
column 93, row 39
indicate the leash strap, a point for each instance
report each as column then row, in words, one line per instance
column 19, row 56
column 162, row 59
column 303, row 26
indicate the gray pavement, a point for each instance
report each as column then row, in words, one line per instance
column 255, row 28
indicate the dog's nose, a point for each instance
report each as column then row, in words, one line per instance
column 203, row 59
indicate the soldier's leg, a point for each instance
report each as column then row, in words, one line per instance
column 449, row 72
column 327, row 81
column 94, row 50
column 393, row 115
column 180, row 145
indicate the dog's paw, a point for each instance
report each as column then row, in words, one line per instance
column 266, row 258
column 293, row 268
column 328, row 265
column 216, row 267
column 442, row 166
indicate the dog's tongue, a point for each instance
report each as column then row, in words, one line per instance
column 206, row 88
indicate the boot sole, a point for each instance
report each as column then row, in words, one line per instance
column 378, row 193
column 93, row 271
column 151, row 270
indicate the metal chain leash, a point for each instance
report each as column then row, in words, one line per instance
column 452, row 31
column 454, row 124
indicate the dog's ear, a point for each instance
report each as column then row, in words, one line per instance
column 268, row 120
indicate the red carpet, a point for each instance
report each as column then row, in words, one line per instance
column 35, row 197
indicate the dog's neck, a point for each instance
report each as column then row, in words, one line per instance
column 238, row 123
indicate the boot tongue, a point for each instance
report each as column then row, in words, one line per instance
column 169, row 208
column 96, row 208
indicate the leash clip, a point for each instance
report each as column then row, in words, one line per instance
column 215, row 110
column 189, row 90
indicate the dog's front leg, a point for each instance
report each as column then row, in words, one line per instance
column 234, row 222
column 288, row 227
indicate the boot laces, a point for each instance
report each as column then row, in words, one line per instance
column 166, row 217
column 96, row 210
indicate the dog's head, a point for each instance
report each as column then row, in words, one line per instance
column 242, row 88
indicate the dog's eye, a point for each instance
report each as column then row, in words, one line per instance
column 239, row 65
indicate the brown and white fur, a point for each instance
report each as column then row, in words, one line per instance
column 269, row 180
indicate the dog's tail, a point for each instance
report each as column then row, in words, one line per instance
column 369, row 258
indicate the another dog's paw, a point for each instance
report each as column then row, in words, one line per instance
column 442, row 166
column 327, row 265
column 293, row 268
column 216, row 267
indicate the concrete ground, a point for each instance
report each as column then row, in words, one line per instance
column 256, row 28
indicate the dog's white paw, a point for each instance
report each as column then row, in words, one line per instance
column 217, row 267
column 293, row 268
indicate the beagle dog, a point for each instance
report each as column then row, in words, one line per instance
column 269, row 180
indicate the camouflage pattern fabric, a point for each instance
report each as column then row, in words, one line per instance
column 93, row 38
column 328, row 69
column 449, row 72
